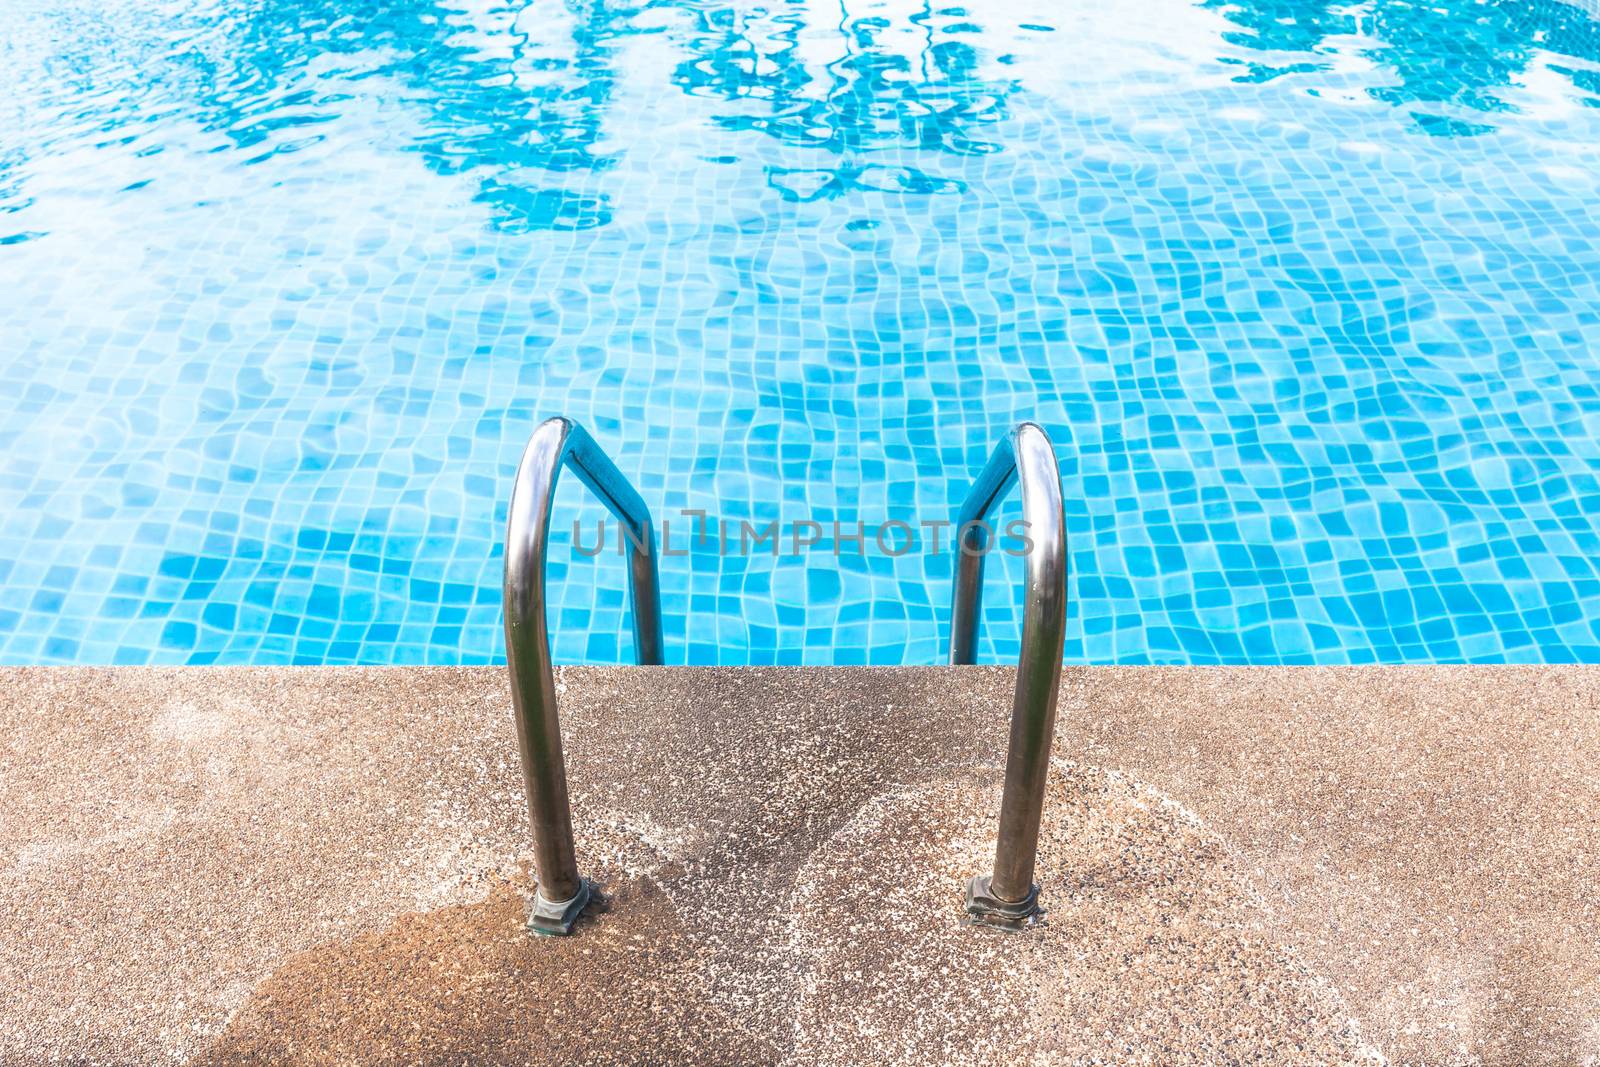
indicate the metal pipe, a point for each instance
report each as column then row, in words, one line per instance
column 562, row 893
column 1009, row 898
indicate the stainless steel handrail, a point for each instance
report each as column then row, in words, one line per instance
column 1009, row 898
column 562, row 893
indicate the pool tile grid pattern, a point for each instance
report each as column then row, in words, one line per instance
column 1309, row 318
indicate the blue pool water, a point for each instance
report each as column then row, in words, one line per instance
column 1307, row 293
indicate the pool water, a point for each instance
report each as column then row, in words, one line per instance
column 1308, row 295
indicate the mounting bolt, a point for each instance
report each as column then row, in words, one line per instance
column 986, row 909
column 555, row 918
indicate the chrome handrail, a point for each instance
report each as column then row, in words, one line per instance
column 562, row 893
column 1009, row 898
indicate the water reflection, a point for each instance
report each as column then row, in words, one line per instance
column 519, row 95
column 12, row 197
column 518, row 92
column 1449, row 64
column 914, row 86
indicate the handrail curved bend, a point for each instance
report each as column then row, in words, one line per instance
column 1009, row 898
column 562, row 893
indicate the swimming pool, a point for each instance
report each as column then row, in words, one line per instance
column 1307, row 293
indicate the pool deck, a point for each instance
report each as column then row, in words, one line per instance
column 326, row 865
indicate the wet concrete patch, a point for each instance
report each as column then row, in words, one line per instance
column 1151, row 950
column 468, row 984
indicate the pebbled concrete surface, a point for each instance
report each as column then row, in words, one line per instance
column 325, row 865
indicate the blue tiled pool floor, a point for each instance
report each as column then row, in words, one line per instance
column 1308, row 296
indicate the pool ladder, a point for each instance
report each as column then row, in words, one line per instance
column 1008, row 898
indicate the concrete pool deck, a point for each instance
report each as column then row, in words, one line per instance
column 326, row 865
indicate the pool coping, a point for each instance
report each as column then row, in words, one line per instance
column 1424, row 838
